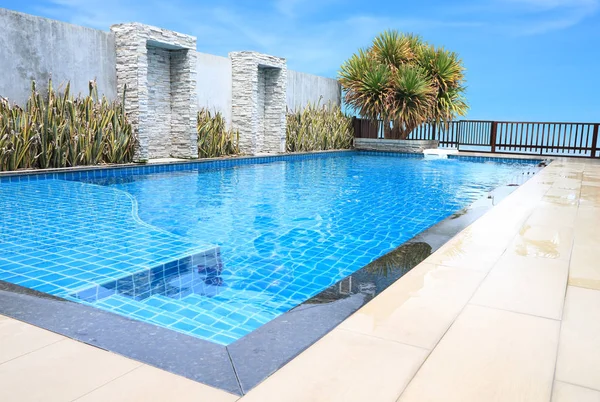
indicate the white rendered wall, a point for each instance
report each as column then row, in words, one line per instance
column 303, row 88
column 213, row 83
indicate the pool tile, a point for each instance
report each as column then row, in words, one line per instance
column 489, row 355
column 343, row 366
column 579, row 350
column 101, row 241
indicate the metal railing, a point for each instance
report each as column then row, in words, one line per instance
column 529, row 138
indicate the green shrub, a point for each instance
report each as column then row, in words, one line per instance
column 318, row 127
column 55, row 131
column 214, row 139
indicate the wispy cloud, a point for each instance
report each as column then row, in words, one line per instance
column 536, row 17
column 317, row 35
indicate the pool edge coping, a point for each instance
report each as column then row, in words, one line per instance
column 86, row 168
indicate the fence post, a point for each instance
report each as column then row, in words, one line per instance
column 355, row 127
column 594, row 141
column 494, row 129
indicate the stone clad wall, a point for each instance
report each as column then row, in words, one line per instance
column 274, row 111
column 258, row 101
column 133, row 42
column 166, row 79
column 159, row 101
column 380, row 144
column 184, row 134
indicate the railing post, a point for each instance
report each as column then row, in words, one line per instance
column 357, row 126
column 594, row 141
column 494, row 130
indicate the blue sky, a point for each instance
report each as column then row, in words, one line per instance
column 526, row 59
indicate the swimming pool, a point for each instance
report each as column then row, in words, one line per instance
column 217, row 249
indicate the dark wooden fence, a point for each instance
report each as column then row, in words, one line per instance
column 530, row 138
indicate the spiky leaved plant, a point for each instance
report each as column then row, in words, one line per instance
column 214, row 138
column 405, row 82
column 318, row 127
column 61, row 131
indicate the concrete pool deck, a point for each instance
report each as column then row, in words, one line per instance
column 505, row 311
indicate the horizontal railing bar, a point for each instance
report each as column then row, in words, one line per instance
column 541, row 138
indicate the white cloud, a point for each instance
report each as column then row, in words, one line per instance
column 314, row 35
column 532, row 17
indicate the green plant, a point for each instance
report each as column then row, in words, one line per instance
column 214, row 139
column 405, row 82
column 55, row 131
column 318, row 127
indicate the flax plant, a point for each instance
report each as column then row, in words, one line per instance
column 214, row 139
column 318, row 127
column 58, row 130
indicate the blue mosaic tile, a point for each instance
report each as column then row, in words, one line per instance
column 216, row 249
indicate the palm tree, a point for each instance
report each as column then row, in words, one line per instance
column 405, row 82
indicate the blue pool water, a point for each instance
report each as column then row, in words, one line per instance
column 216, row 250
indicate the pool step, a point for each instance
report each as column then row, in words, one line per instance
column 236, row 309
column 144, row 311
column 260, row 300
column 136, row 309
column 201, row 310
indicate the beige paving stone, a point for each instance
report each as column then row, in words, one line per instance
column 525, row 285
column 18, row 338
column 587, row 225
column 543, row 242
column 567, row 183
column 489, row 355
column 343, row 366
column 562, row 197
column 585, row 265
column 548, row 214
column 591, row 181
column 61, row 372
column 579, row 350
column 418, row 309
column 468, row 251
column 564, row 392
column 149, row 384
column 590, row 196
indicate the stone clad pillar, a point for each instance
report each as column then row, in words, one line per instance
column 258, row 105
column 159, row 68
